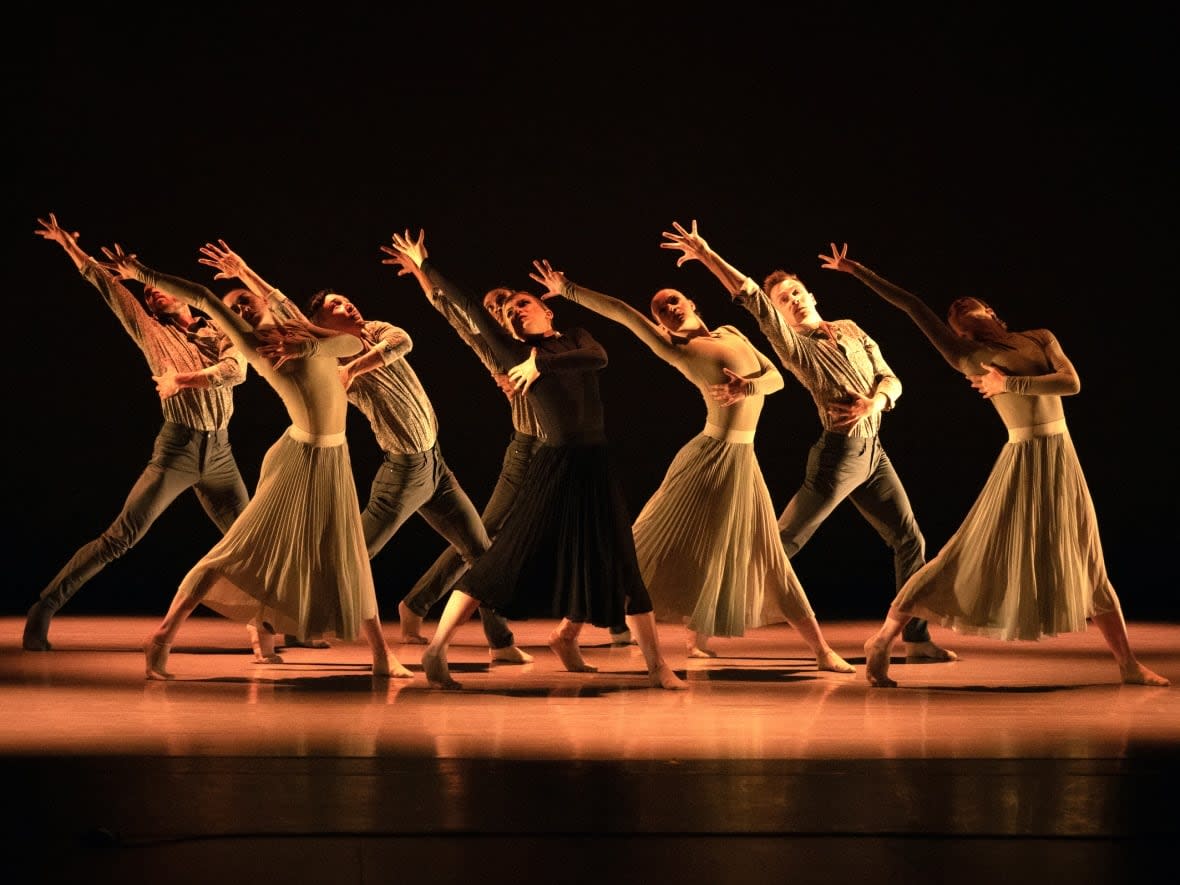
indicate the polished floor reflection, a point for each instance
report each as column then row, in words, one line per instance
column 1016, row 760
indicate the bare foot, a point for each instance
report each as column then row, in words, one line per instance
column 570, row 653
column 411, row 625
column 386, row 664
column 620, row 639
column 263, row 642
column 510, row 654
column 928, row 651
column 829, row 660
column 664, row 676
column 1135, row 673
column 290, row 640
column 695, row 651
column 877, row 664
column 438, row 674
column 156, row 660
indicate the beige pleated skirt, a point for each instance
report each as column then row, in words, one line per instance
column 1027, row 561
column 708, row 543
column 296, row 557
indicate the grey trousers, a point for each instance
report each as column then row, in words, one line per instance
column 857, row 469
column 423, row 483
column 182, row 459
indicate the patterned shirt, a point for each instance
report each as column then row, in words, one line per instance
column 392, row 397
column 202, row 347
column 832, row 371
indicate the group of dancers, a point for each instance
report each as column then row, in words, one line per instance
column 556, row 540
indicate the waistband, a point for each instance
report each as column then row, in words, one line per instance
column 412, row 457
column 729, row 436
column 1021, row 434
column 173, row 426
column 322, row 440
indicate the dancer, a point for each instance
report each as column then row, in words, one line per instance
column 414, row 476
column 706, row 540
column 295, row 561
column 450, row 566
column 852, row 386
column 195, row 367
column 566, row 548
column 1027, row 561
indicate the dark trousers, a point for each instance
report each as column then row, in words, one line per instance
column 857, row 469
column 182, row 459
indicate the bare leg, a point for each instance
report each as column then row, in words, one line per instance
column 877, row 650
column 696, row 644
column 160, row 642
column 459, row 609
column 658, row 672
column 262, row 640
column 385, row 662
column 1114, row 631
column 825, row 656
column 564, row 642
column 411, row 625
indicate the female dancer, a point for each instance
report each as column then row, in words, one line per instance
column 707, row 540
column 565, row 550
column 1027, row 561
column 295, row 560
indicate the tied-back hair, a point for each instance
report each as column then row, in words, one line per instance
column 983, row 339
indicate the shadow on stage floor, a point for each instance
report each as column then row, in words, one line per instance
column 1017, row 762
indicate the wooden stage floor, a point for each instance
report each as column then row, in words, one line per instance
column 1018, row 762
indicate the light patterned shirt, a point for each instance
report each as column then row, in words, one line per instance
column 202, row 347
column 392, row 397
column 830, row 371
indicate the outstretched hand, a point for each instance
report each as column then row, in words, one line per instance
column 689, row 242
column 838, row 260
column 990, row 383
column 522, row 375
column 228, row 264
column 554, row 281
column 406, row 253
column 121, row 264
column 733, row 389
column 51, row 230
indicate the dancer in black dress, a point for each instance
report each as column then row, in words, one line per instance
column 566, row 549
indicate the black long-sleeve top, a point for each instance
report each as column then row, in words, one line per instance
column 565, row 397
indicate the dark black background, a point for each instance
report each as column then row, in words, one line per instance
column 1024, row 159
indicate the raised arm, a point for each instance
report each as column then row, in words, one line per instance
column 505, row 349
column 410, row 263
column 955, row 349
column 654, row 336
column 127, row 308
column 694, row 248
column 128, row 266
column 230, row 265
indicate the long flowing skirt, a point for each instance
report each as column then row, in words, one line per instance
column 566, row 548
column 709, row 547
column 295, row 558
column 1027, row 561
